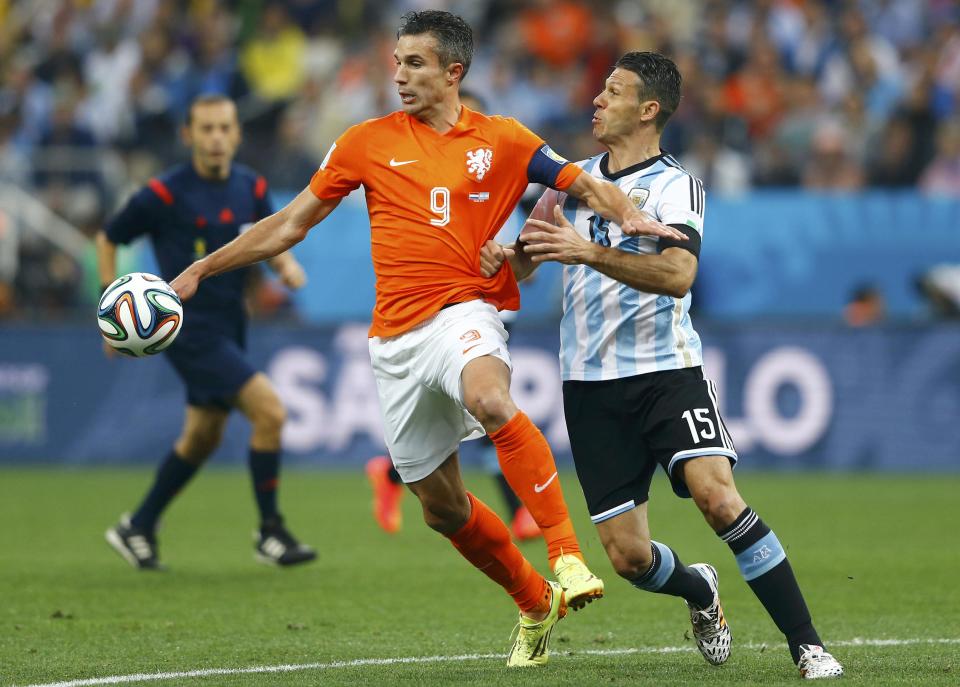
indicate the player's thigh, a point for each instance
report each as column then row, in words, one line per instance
column 703, row 472
column 466, row 335
column 685, row 423
column 258, row 400
column 422, row 426
column 613, row 464
column 709, row 479
column 485, row 382
column 626, row 538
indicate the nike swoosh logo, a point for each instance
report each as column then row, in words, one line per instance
column 401, row 163
column 470, row 348
column 540, row 487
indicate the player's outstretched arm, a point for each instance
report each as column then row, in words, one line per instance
column 267, row 238
column 670, row 273
column 608, row 201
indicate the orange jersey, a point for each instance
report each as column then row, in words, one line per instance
column 434, row 199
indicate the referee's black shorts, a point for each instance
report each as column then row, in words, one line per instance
column 621, row 429
column 213, row 367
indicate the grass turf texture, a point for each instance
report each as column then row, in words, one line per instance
column 873, row 554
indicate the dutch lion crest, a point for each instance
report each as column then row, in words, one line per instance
column 479, row 161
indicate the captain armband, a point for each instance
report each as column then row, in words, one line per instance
column 692, row 243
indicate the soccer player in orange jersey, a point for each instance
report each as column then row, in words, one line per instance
column 386, row 482
column 439, row 181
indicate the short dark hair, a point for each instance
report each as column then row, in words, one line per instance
column 659, row 80
column 454, row 36
column 205, row 99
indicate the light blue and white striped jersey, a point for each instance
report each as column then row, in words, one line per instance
column 610, row 330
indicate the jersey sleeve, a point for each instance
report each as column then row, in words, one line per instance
column 139, row 215
column 682, row 202
column 262, row 205
column 544, row 166
column 340, row 171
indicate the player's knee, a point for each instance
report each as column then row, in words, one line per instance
column 445, row 516
column 720, row 504
column 196, row 446
column 269, row 419
column 632, row 561
column 491, row 407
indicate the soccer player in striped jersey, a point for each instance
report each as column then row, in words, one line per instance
column 439, row 181
column 634, row 391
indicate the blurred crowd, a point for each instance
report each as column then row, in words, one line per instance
column 822, row 94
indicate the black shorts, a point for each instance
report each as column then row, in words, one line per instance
column 213, row 368
column 621, row 429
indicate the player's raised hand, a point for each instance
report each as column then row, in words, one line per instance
column 292, row 274
column 558, row 242
column 640, row 223
column 186, row 282
column 492, row 257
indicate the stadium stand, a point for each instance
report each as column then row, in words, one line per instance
column 819, row 94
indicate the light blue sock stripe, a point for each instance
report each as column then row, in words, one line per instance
column 761, row 558
column 663, row 572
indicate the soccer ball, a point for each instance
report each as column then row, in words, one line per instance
column 139, row 314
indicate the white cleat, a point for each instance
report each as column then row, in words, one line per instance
column 709, row 626
column 816, row 664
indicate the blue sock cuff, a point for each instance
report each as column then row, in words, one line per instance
column 661, row 570
column 761, row 557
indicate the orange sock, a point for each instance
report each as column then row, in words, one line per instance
column 527, row 463
column 485, row 541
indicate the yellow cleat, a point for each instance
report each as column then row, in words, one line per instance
column 579, row 584
column 532, row 645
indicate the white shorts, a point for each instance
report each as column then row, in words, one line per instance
column 418, row 379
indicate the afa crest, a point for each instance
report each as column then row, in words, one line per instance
column 639, row 196
column 479, row 161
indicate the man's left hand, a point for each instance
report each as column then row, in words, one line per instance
column 640, row 223
column 492, row 257
column 557, row 242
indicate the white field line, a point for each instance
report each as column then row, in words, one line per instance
column 294, row 667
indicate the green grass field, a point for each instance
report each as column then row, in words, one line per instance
column 876, row 555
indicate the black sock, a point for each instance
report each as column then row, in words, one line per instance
column 764, row 565
column 510, row 498
column 394, row 476
column 265, row 473
column 667, row 575
column 174, row 472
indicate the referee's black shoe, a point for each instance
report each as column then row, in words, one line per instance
column 137, row 546
column 276, row 546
